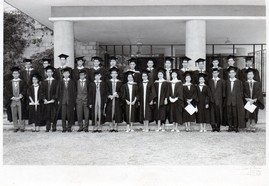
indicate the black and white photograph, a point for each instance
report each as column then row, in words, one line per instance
column 89, row 86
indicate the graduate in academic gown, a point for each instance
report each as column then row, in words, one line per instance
column 35, row 101
column 252, row 94
column 59, row 71
column 217, row 87
column 15, row 95
column 114, row 105
column 231, row 62
column 160, row 86
column 190, row 97
column 27, row 73
column 249, row 65
column 234, row 102
column 97, row 66
column 113, row 63
column 203, row 100
column 45, row 63
column 67, row 99
column 146, row 96
column 215, row 65
column 130, row 98
column 168, row 68
column 201, row 70
column 152, row 70
column 82, row 101
column 80, row 62
column 49, row 89
column 175, row 103
column 97, row 100
column 132, row 68
column 185, row 68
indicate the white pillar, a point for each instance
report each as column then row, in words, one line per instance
column 195, row 40
column 63, row 42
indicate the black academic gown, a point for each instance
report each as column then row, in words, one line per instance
column 244, row 75
column 145, row 107
column 203, row 114
column 236, row 99
column 152, row 75
column 175, row 109
column 26, row 77
column 160, row 111
column 36, row 115
column 130, row 110
column 8, row 94
column 50, row 94
column 118, row 115
column 189, row 94
column 256, row 94
column 92, row 99
column 216, row 102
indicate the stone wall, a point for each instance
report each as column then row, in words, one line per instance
column 87, row 49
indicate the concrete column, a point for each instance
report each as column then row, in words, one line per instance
column 63, row 42
column 195, row 40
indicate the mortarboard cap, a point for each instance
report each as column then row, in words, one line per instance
column 132, row 59
column 113, row 69
column 169, row 59
column 161, row 69
column 80, row 58
column 202, row 75
column 145, row 72
column 27, row 60
column 249, row 58
column 185, row 58
column 96, row 58
column 113, row 58
column 82, row 71
column 250, row 70
column 50, row 68
column 215, row 69
column 200, row 60
column 63, row 56
column 66, row 69
column 188, row 73
column 232, row 68
column 36, row 75
column 15, row 68
column 230, row 57
column 46, row 59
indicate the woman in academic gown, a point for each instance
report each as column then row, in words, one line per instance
column 189, row 97
column 176, row 104
column 35, row 100
column 130, row 99
column 204, row 97
column 160, row 86
column 146, row 96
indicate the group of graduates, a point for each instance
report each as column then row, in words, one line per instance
column 180, row 96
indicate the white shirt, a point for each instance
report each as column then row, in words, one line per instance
column 80, row 67
column 201, row 87
column 167, row 71
column 144, row 94
column 232, row 83
column 35, row 92
column 130, row 86
column 159, row 93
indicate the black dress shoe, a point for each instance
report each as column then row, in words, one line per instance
column 236, row 130
column 99, row 131
column 15, row 130
column 47, row 130
column 116, row 131
column 86, row 130
column 110, row 130
column 53, row 130
column 22, row 130
column 94, row 131
column 69, row 130
column 79, row 130
column 63, row 131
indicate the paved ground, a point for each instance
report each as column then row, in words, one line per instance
column 138, row 148
column 185, row 148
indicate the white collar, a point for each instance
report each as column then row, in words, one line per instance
column 96, row 68
column 232, row 79
column 145, row 81
column 80, row 67
column 187, row 84
column 29, row 69
column 63, row 66
column 50, row 78
column 66, row 79
column 167, row 69
column 150, row 68
column 201, row 84
column 216, row 78
column 175, row 80
column 160, row 81
column 251, row 81
column 131, row 83
column 16, row 80
column 82, row 80
column 37, row 85
column 99, row 81
column 114, row 80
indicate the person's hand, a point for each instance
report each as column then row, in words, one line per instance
column 206, row 106
column 52, row 101
column 31, row 103
column 20, row 96
column 13, row 98
column 90, row 106
column 128, row 102
column 110, row 97
column 151, row 103
column 45, row 101
column 170, row 99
